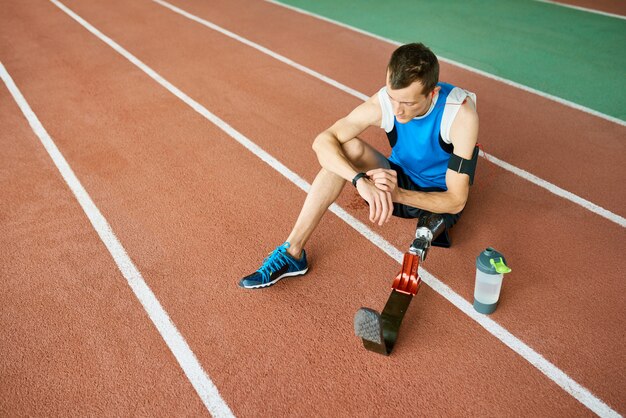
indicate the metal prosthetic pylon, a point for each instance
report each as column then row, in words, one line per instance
column 379, row 332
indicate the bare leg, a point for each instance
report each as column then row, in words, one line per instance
column 326, row 188
column 324, row 191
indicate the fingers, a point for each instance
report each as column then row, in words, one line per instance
column 384, row 184
column 384, row 179
column 384, row 216
column 390, row 202
column 380, row 203
column 378, row 172
column 372, row 205
column 384, row 208
column 379, row 208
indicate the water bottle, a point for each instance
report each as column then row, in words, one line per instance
column 490, row 269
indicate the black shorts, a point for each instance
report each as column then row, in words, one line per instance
column 404, row 211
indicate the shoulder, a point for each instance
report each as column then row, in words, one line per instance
column 369, row 112
column 460, row 107
column 360, row 118
column 467, row 114
column 387, row 117
column 464, row 129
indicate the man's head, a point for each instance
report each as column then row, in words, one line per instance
column 412, row 76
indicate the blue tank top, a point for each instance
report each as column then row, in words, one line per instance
column 418, row 148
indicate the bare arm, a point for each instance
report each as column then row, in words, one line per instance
column 329, row 150
column 328, row 144
column 463, row 133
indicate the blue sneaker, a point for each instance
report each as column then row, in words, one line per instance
column 277, row 265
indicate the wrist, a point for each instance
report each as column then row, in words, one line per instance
column 358, row 177
column 398, row 195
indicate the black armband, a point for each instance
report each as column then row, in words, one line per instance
column 463, row 166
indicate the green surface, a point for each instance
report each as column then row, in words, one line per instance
column 576, row 55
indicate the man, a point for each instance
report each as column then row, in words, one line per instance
column 426, row 122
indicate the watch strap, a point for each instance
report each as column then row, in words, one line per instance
column 357, row 177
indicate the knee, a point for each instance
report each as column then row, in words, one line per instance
column 354, row 150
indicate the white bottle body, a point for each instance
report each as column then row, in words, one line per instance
column 487, row 288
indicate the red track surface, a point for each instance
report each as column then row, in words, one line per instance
column 195, row 211
column 617, row 7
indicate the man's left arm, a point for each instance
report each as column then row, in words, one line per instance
column 463, row 134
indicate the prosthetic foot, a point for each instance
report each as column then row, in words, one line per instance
column 379, row 332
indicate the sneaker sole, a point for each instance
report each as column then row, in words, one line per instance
column 273, row 282
column 368, row 325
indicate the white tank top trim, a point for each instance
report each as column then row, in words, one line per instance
column 456, row 98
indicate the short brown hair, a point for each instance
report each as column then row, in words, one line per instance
column 413, row 62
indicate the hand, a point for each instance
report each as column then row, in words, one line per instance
column 385, row 179
column 381, row 205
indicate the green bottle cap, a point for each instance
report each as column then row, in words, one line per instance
column 500, row 266
column 491, row 261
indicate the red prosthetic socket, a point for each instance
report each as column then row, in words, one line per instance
column 408, row 280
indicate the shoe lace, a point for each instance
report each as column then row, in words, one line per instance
column 275, row 260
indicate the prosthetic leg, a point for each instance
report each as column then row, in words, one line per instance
column 379, row 332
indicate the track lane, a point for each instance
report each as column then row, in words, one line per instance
column 617, row 7
column 592, row 207
column 189, row 230
column 483, row 43
column 525, row 235
column 521, row 128
column 263, row 364
column 74, row 340
column 572, row 317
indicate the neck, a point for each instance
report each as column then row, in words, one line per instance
column 430, row 105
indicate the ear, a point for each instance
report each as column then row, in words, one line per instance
column 435, row 90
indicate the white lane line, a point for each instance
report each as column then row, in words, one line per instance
column 465, row 67
column 557, row 190
column 263, row 49
column 170, row 334
column 579, row 392
column 552, row 188
column 583, row 9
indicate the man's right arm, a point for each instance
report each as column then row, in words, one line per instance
column 328, row 147
column 328, row 144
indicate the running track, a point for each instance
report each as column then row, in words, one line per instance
column 194, row 210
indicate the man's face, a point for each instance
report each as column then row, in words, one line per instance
column 409, row 102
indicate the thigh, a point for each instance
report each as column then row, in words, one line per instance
column 363, row 156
